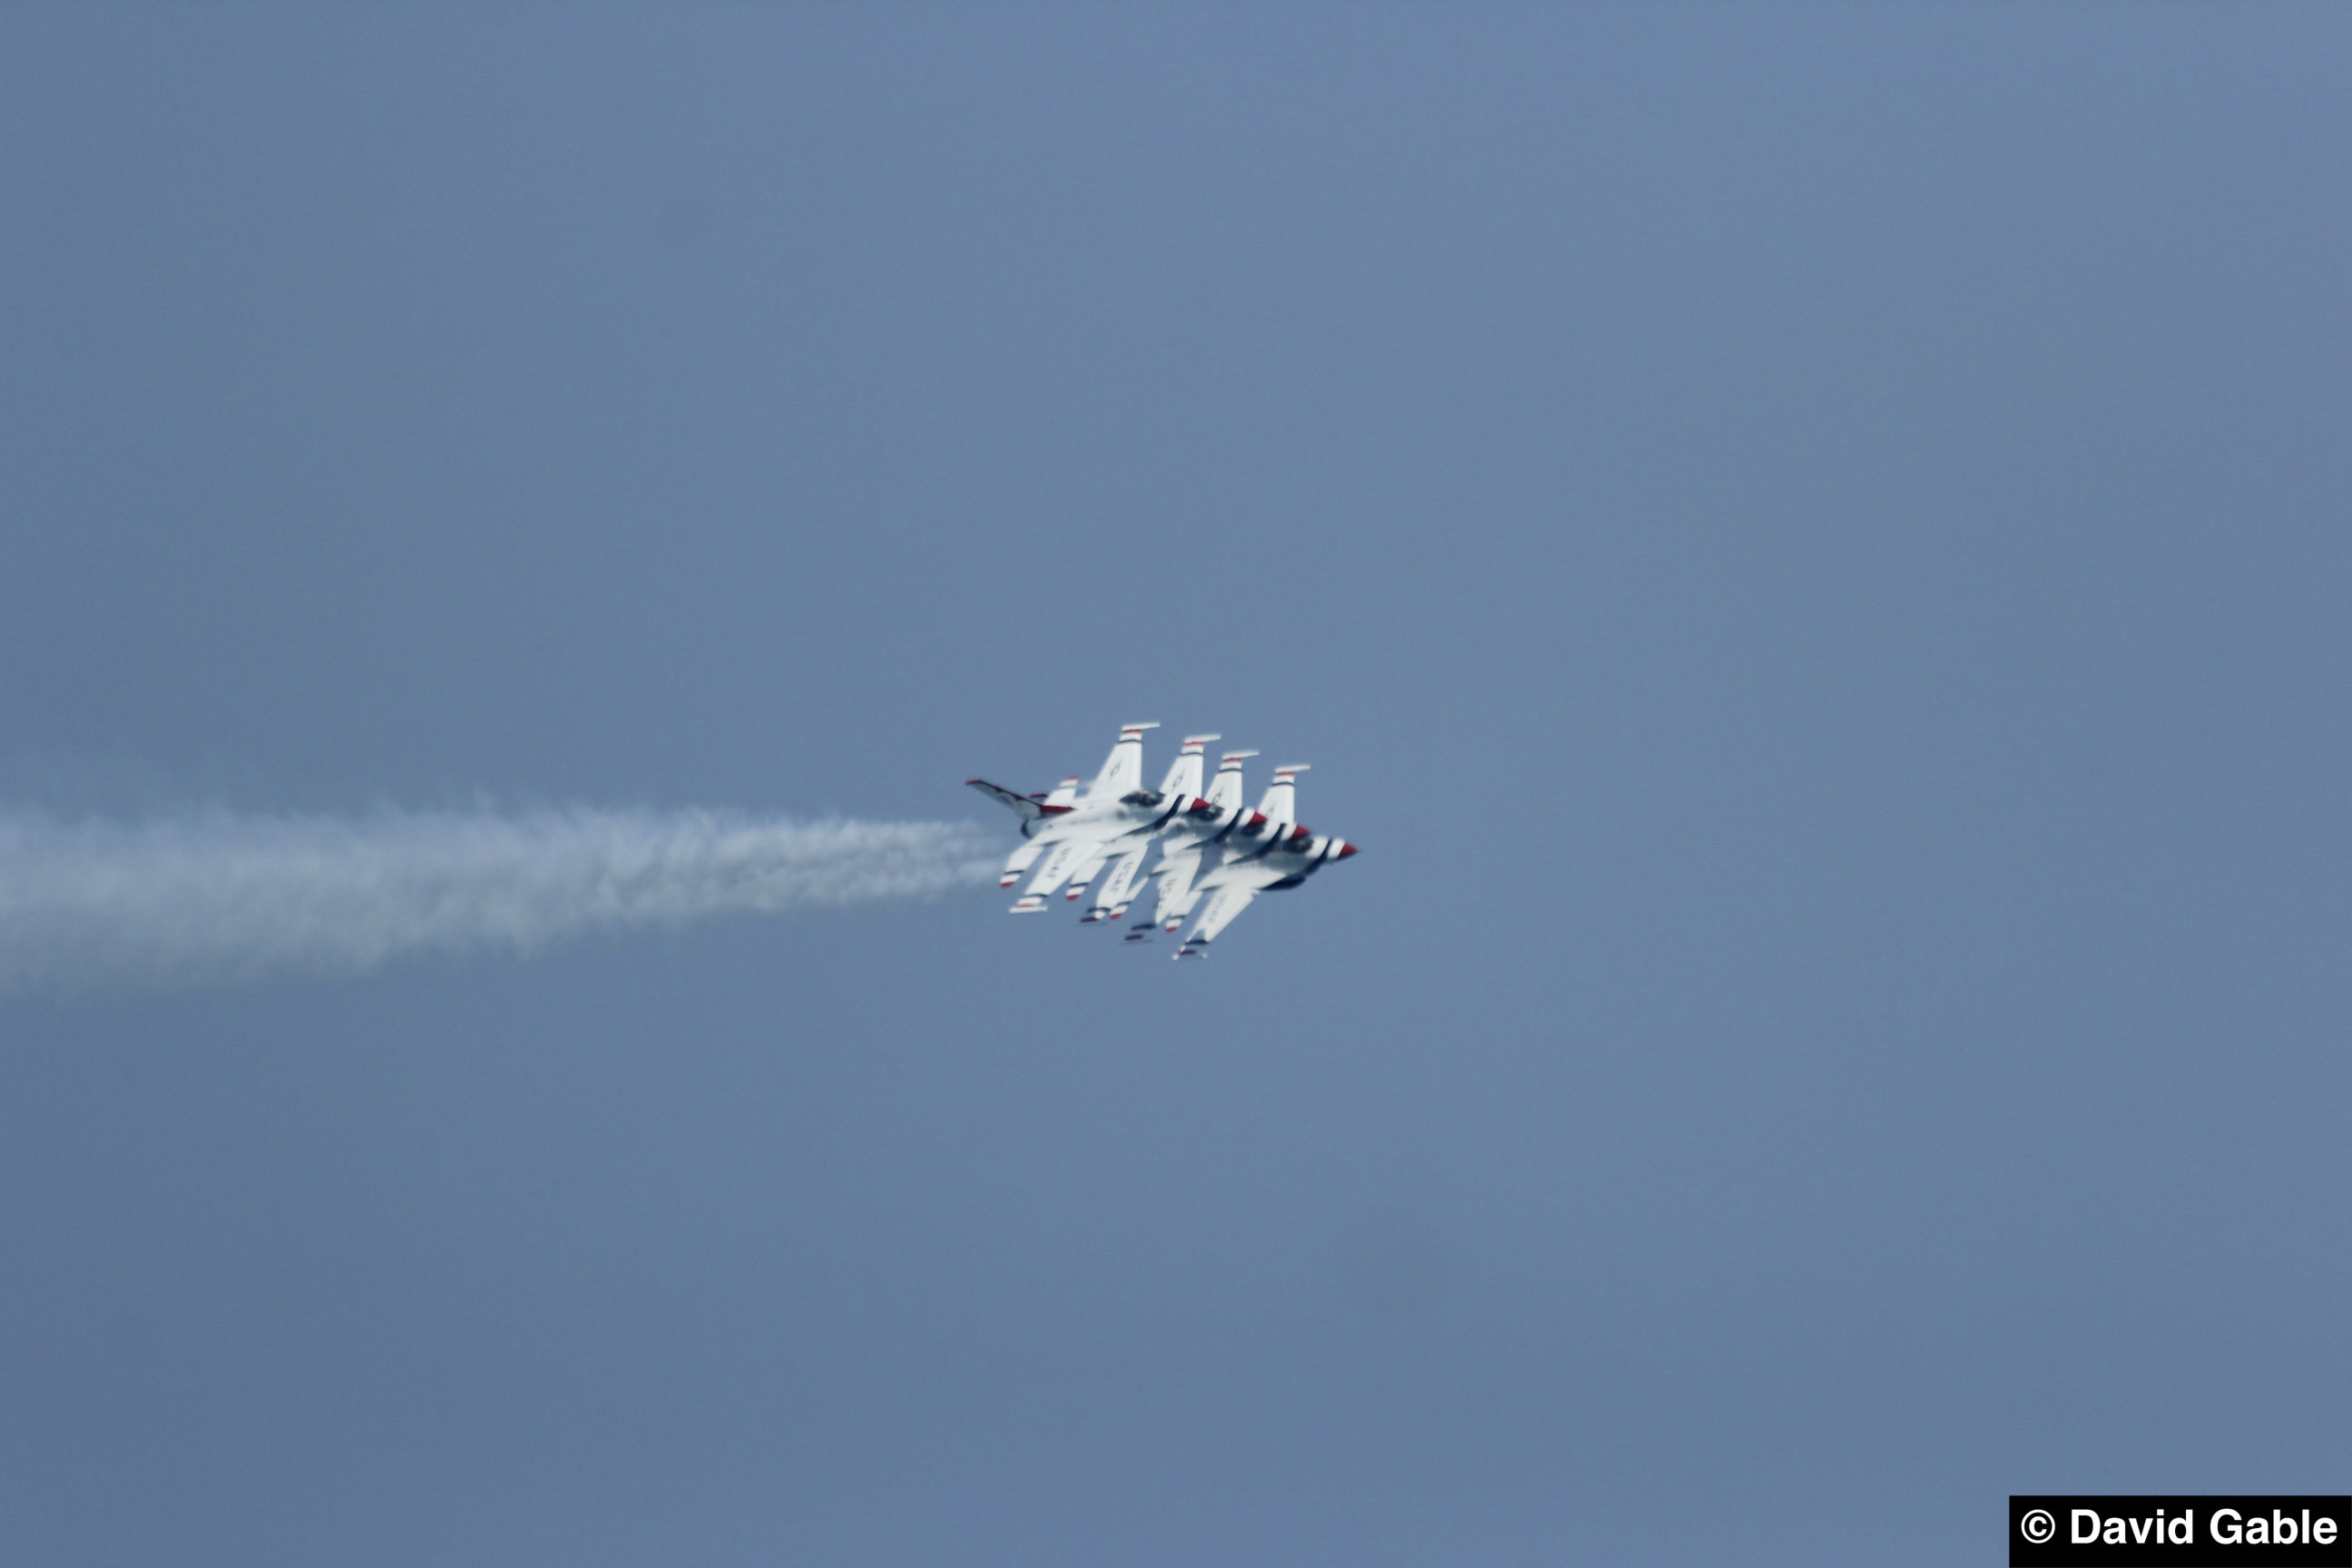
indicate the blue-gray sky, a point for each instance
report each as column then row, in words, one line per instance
column 1810, row 546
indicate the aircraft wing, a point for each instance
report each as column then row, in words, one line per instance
column 1060, row 862
column 1118, row 886
column 1082, row 872
column 1226, row 902
column 1177, row 867
column 1028, row 810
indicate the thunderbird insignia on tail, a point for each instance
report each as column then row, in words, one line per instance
column 1109, row 830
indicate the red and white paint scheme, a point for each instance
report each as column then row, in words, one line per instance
column 1116, row 822
column 1073, row 833
column 1269, row 850
column 1179, row 791
column 1202, row 826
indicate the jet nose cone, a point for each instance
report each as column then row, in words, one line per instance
column 1345, row 850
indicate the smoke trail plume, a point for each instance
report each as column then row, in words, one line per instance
column 217, row 897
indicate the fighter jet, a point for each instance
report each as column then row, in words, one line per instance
column 1180, row 790
column 1075, row 834
column 1265, row 851
column 1188, row 839
column 1115, row 822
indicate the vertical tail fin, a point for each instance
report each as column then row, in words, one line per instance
column 1123, row 770
column 1183, row 781
column 1225, row 792
column 1280, row 805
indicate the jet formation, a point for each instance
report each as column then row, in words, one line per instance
column 1212, row 848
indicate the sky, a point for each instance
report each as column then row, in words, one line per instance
column 1807, row 545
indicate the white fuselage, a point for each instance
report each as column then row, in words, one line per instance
column 1070, row 837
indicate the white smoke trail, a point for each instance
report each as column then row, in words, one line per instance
column 213, row 897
